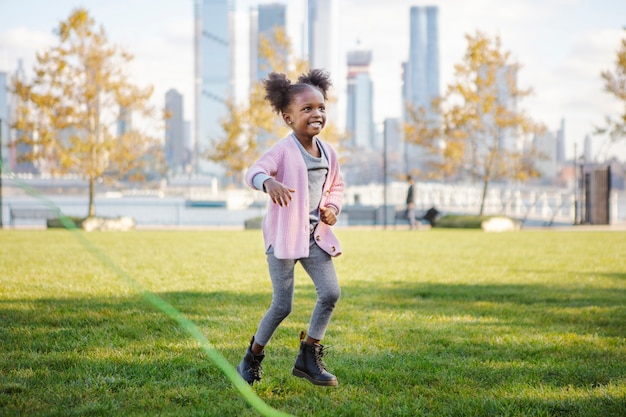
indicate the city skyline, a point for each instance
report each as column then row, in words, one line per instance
column 563, row 45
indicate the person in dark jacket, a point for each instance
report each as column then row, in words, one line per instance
column 410, row 202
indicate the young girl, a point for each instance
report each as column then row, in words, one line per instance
column 301, row 176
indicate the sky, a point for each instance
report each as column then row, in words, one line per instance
column 562, row 46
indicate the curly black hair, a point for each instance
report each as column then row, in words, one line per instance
column 280, row 90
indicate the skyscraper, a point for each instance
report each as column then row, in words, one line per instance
column 422, row 72
column 392, row 132
column 124, row 121
column 360, row 115
column 506, row 80
column 321, row 43
column 547, row 146
column 214, row 75
column 175, row 154
column 4, row 115
column 23, row 167
column 263, row 23
column 321, row 34
column 560, row 142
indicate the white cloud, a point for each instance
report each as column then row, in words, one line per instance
column 22, row 43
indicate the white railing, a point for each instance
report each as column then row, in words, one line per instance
column 547, row 205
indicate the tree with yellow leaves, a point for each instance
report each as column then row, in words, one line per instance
column 474, row 129
column 67, row 115
column 615, row 84
column 254, row 123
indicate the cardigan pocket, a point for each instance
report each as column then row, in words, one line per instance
column 326, row 239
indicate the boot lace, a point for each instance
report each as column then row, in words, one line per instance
column 318, row 354
column 256, row 370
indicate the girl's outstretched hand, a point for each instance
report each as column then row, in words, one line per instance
column 328, row 216
column 278, row 192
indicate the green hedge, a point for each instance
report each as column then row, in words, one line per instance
column 461, row 221
column 59, row 223
column 254, row 223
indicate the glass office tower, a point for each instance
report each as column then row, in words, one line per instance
column 175, row 132
column 264, row 22
column 4, row 115
column 214, row 83
column 421, row 73
column 359, row 116
column 422, row 77
column 320, row 34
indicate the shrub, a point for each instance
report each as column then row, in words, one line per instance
column 253, row 223
column 61, row 223
column 461, row 221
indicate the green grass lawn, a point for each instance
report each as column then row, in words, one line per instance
column 435, row 323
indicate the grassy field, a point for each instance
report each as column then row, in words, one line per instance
column 435, row 323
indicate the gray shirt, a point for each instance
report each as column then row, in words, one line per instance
column 317, row 170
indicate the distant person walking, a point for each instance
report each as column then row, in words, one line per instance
column 300, row 173
column 410, row 202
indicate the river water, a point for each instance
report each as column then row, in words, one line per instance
column 153, row 211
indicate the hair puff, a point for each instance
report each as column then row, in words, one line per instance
column 279, row 90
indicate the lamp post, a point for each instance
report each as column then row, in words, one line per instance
column 583, row 191
column 576, row 199
column 385, row 177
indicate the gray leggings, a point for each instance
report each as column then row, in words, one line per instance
column 319, row 266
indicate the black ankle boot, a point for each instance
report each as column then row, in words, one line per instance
column 250, row 367
column 309, row 365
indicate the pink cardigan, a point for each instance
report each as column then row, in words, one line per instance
column 286, row 229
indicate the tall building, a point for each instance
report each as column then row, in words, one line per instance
column 360, row 115
column 22, row 167
column 4, row 115
column 214, row 75
column 188, row 142
column 547, row 165
column 321, row 42
column 421, row 72
column 253, row 47
column 506, row 79
column 175, row 154
column 263, row 23
column 394, row 152
column 560, row 142
column 503, row 82
column 124, row 121
column 320, row 34
column 392, row 128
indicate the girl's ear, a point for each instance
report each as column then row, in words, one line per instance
column 287, row 118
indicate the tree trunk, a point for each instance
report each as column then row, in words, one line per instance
column 92, row 205
column 484, row 197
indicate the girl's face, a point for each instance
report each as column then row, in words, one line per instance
column 306, row 114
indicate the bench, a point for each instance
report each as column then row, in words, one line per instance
column 361, row 215
column 429, row 216
column 31, row 213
